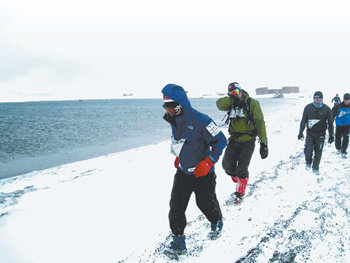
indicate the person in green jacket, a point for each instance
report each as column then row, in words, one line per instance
column 246, row 121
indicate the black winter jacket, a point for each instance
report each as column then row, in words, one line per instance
column 317, row 120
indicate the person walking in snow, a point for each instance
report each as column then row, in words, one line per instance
column 336, row 100
column 197, row 144
column 246, row 121
column 341, row 113
column 317, row 116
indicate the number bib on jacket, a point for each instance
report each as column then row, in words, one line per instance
column 236, row 113
column 311, row 123
column 176, row 146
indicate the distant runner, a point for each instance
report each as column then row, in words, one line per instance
column 317, row 116
column 336, row 100
column 341, row 113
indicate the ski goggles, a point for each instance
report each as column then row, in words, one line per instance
column 235, row 92
column 172, row 109
column 317, row 99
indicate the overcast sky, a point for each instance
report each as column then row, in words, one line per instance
column 75, row 49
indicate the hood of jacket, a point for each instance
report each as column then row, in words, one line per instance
column 178, row 94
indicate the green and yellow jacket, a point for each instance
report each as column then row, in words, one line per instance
column 242, row 125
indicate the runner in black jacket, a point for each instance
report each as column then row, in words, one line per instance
column 317, row 116
column 336, row 100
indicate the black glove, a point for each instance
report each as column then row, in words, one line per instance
column 264, row 151
column 300, row 136
column 330, row 139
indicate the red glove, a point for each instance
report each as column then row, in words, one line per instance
column 176, row 162
column 203, row 167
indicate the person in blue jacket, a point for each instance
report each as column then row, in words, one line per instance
column 197, row 144
column 341, row 113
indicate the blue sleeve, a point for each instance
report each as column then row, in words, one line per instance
column 214, row 138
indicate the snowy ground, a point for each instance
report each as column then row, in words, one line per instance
column 114, row 208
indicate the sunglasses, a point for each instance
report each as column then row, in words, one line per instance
column 318, row 99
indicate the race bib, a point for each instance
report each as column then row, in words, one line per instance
column 176, row 146
column 311, row 123
column 237, row 113
column 342, row 113
column 213, row 129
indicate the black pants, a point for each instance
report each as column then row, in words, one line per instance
column 314, row 143
column 204, row 189
column 237, row 158
column 342, row 132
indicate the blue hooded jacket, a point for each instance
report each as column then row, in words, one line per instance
column 203, row 138
column 341, row 113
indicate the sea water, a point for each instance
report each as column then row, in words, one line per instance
column 39, row 135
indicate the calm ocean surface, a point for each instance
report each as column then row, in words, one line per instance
column 39, row 135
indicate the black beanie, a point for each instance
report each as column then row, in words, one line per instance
column 347, row 96
column 318, row 94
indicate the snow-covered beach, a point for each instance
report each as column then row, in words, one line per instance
column 114, row 208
